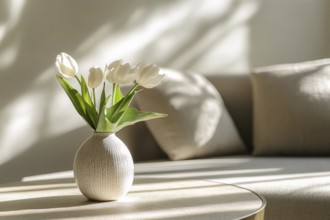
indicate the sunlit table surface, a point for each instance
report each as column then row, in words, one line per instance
column 55, row 196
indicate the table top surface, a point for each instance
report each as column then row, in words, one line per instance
column 55, row 196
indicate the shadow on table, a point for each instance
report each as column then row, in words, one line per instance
column 75, row 206
column 47, row 202
column 60, row 198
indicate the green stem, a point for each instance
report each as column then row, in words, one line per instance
column 77, row 78
column 94, row 97
column 133, row 89
column 114, row 87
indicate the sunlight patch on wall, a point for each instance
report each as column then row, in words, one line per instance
column 21, row 122
column 59, row 115
column 178, row 35
column 227, row 42
column 14, row 10
column 39, row 114
column 8, row 55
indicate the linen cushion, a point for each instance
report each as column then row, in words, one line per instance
column 198, row 123
column 292, row 109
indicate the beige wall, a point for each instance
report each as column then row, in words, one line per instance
column 290, row 31
column 39, row 130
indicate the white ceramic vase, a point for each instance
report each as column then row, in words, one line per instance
column 103, row 168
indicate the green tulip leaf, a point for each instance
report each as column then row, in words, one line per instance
column 90, row 107
column 119, row 111
column 112, row 110
column 76, row 99
column 92, row 114
column 132, row 116
column 102, row 99
column 116, row 94
column 103, row 125
column 85, row 92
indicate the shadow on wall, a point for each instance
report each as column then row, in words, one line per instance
column 36, row 116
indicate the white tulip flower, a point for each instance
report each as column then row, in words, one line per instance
column 66, row 65
column 95, row 77
column 119, row 72
column 148, row 76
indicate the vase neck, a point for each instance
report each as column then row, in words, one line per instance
column 103, row 134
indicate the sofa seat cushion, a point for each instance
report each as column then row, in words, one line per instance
column 295, row 188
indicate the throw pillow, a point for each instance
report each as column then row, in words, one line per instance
column 292, row 109
column 198, row 123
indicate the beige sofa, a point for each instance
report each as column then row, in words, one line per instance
column 295, row 186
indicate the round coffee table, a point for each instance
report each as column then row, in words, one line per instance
column 149, row 198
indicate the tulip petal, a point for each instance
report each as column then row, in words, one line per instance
column 72, row 62
column 120, row 73
column 152, row 82
column 95, row 77
column 149, row 76
column 66, row 65
column 114, row 64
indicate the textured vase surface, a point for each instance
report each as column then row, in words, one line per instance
column 103, row 167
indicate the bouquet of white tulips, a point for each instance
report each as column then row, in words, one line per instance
column 109, row 113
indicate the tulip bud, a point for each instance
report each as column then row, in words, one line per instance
column 117, row 72
column 148, row 76
column 95, row 77
column 66, row 65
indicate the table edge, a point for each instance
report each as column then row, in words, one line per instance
column 258, row 214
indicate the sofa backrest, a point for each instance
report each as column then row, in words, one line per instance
column 236, row 92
